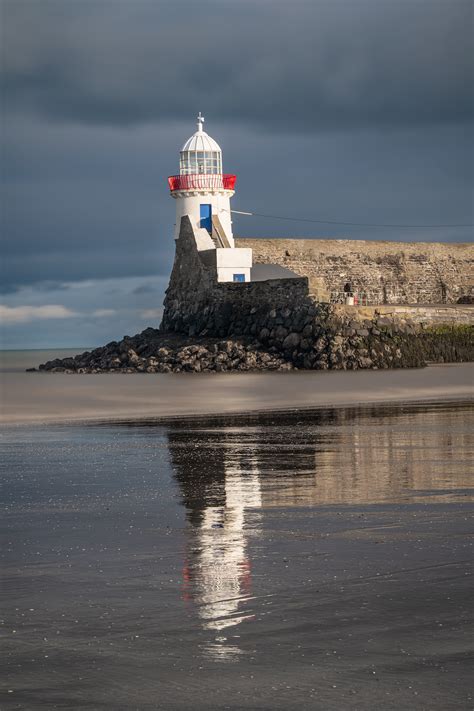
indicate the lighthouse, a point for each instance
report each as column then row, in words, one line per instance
column 202, row 192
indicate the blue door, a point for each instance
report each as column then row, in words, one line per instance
column 206, row 217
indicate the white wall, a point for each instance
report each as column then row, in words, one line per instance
column 203, row 239
column 229, row 261
column 190, row 205
column 233, row 261
column 236, row 257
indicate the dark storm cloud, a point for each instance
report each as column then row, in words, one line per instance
column 144, row 289
column 98, row 97
column 278, row 65
column 82, row 202
column 48, row 286
column 10, row 285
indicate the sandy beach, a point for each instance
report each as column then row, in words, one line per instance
column 55, row 397
column 311, row 560
column 171, row 540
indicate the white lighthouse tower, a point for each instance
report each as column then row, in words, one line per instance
column 202, row 192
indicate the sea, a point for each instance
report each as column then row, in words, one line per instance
column 236, row 541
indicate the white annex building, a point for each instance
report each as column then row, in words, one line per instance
column 202, row 192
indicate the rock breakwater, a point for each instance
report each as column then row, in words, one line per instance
column 154, row 352
column 338, row 344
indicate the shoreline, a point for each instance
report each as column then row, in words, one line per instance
column 209, row 417
column 60, row 399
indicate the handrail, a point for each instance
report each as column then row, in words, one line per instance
column 202, row 181
column 218, row 233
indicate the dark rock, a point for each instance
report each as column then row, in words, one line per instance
column 281, row 333
column 291, row 341
column 320, row 344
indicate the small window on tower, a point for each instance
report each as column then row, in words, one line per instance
column 239, row 277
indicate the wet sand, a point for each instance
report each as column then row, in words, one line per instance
column 315, row 560
column 50, row 397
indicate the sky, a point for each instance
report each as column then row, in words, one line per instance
column 338, row 110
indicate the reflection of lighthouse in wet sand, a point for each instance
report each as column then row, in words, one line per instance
column 217, row 574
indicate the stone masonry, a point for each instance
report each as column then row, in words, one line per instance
column 390, row 272
column 286, row 318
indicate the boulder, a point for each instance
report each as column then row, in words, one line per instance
column 291, row 341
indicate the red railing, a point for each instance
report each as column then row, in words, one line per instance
column 202, row 181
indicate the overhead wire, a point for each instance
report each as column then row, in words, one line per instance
column 349, row 224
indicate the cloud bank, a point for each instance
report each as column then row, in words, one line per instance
column 23, row 314
column 351, row 110
column 277, row 65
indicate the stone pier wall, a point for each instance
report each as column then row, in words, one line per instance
column 196, row 304
column 284, row 317
column 390, row 272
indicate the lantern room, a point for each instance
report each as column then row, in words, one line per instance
column 200, row 154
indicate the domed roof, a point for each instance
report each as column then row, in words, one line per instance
column 201, row 141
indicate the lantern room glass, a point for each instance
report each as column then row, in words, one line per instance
column 191, row 162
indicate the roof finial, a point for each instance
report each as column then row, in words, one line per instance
column 200, row 119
